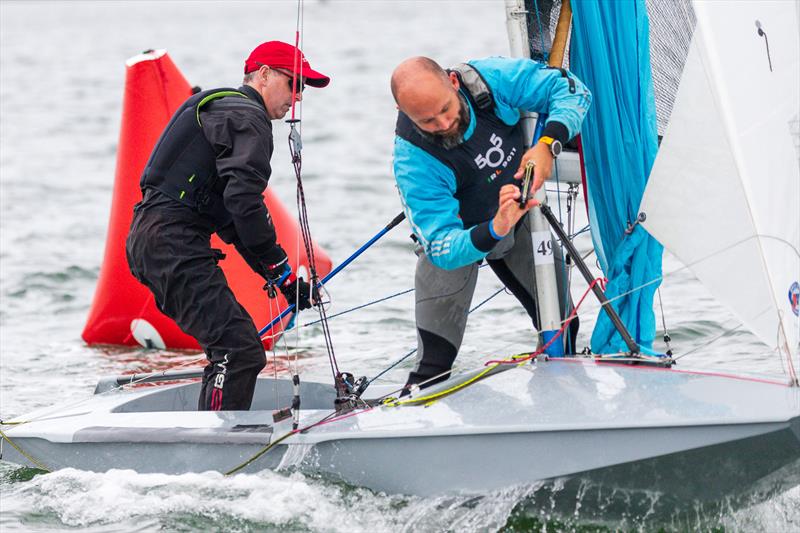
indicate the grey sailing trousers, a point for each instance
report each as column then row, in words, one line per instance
column 443, row 299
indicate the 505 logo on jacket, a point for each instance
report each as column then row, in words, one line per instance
column 494, row 156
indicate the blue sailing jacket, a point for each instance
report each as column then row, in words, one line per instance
column 429, row 189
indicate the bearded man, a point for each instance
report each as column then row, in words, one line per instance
column 459, row 148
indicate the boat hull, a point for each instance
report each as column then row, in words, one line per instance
column 691, row 435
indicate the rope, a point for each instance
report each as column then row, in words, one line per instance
column 429, row 399
column 570, row 318
column 38, row 464
column 356, row 308
column 260, row 453
column 298, row 31
column 566, row 272
column 297, row 162
column 412, row 352
column 275, row 353
column 724, row 333
column 389, row 395
column 667, row 338
column 331, row 417
column 582, row 230
column 559, row 192
column 792, row 374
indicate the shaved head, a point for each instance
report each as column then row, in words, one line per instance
column 429, row 96
column 415, row 69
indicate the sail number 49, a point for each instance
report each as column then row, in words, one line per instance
column 542, row 247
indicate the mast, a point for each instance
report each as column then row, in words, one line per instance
column 543, row 258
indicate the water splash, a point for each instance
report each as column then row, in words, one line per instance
column 124, row 500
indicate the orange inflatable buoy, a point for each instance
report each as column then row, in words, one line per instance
column 123, row 311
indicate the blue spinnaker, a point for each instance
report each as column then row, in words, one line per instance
column 610, row 53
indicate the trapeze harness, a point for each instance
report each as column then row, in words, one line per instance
column 183, row 163
column 479, row 172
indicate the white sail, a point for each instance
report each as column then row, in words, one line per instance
column 724, row 193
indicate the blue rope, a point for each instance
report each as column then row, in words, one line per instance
column 584, row 230
column 501, row 289
column 406, row 356
column 554, row 191
column 395, row 221
column 362, row 306
column 395, row 295
column 412, row 352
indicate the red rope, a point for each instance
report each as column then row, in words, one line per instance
column 570, row 318
column 294, row 70
column 583, row 361
column 335, row 419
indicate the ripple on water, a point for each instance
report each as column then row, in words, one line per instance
column 60, row 292
column 70, row 273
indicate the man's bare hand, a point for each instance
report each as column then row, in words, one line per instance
column 541, row 156
column 509, row 211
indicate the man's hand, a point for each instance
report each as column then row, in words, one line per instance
column 541, row 156
column 299, row 287
column 282, row 277
column 509, row 212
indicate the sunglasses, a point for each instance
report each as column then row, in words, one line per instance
column 295, row 84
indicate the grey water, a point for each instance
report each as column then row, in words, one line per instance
column 61, row 85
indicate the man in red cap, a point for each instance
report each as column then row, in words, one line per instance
column 207, row 174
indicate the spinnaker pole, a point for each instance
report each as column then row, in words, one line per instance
column 587, row 275
column 395, row 221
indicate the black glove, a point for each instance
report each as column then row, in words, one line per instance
column 300, row 287
column 282, row 277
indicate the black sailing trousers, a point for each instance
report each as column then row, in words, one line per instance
column 172, row 256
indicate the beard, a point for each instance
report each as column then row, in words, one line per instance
column 456, row 137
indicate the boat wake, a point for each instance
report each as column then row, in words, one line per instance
column 122, row 500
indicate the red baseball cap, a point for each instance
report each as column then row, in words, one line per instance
column 277, row 54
